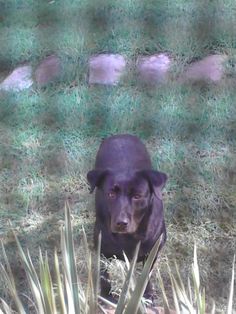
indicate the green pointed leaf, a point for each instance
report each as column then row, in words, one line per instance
column 196, row 268
column 61, row 297
column 231, row 292
column 127, row 283
column 203, row 302
column 69, row 254
column 165, row 299
column 213, row 310
column 190, row 291
column 6, row 307
column 134, row 302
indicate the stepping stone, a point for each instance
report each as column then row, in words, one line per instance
column 209, row 69
column 106, row 69
column 48, row 70
column 153, row 69
column 19, row 79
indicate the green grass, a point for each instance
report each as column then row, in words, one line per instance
column 49, row 137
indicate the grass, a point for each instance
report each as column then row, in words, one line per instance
column 49, row 137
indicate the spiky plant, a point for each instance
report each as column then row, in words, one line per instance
column 66, row 294
column 191, row 299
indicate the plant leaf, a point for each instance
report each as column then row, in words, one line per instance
column 127, row 283
column 134, row 302
column 61, row 297
column 213, row 310
column 69, row 261
column 165, row 299
column 231, row 292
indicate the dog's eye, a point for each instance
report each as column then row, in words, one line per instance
column 137, row 196
column 112, row 194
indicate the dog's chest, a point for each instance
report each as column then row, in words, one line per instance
column 117, row 244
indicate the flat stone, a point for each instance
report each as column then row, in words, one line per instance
column 153, row 69
column 209, row 69
column 106, row 69
column 19, row 79
column 48, row 70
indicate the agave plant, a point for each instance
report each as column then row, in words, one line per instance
column 66, row 294
column 191, row 299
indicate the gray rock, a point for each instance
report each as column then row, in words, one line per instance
column 153, row 69
column 106, row 69
column 19, row 79
column 47, row 71
column 209, row 69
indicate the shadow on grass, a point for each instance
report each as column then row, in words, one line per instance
column 205, row 28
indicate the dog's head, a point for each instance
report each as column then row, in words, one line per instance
column 127, row 197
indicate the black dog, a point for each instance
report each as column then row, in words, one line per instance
column 129, row 205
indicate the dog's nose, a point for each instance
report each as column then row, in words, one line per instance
column 122, row 223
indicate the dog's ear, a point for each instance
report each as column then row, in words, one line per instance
column 95, row 178
column 156, row 180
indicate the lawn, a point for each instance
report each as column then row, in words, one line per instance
column 49, row 137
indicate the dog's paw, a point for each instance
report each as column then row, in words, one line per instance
column 149, row 293
column 109, row 297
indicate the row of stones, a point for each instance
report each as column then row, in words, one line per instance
column 107, row 69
